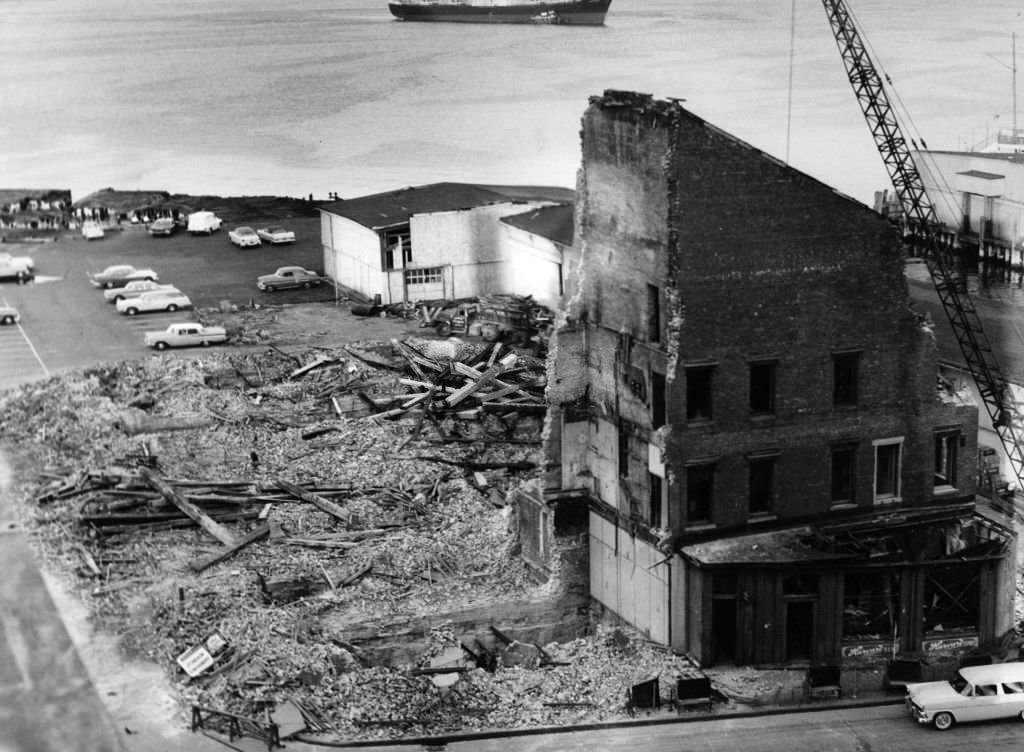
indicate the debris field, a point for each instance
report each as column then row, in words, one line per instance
column 237, row 516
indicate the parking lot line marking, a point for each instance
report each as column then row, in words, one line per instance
column 46, row 371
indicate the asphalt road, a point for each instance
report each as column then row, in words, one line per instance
column 65, row 323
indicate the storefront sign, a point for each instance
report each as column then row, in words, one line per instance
column 950, row 643
column 866, row 649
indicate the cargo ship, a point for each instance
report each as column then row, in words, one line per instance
column 567, row 12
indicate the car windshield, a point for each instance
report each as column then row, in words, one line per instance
column 276, row 230
column 245, row 231
column 961, row 686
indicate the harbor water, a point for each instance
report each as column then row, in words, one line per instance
column 314, row 96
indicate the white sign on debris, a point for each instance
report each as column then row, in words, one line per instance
column 198, row 658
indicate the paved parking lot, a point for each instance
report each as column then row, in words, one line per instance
column 65, row 323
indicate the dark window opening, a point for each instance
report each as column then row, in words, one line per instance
column 843, row 473
column 397, row 248
column 946, row 445
column 659, row 407
column 653, row 314
column 654, row 514
column 952, row 598
column 762, row 485
column 870, row 605
column 698, row 393
column 887, row 470
column 700, row 486
column 845, row 375
column 762, row 388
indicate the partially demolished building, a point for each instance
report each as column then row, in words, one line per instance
column 751, row 409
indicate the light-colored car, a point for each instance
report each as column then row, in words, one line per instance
column 288, row 276
column 162, row 226
column 92, row 230
column 9, row 315
column 276, row 235
column 244, row 237
column 154, row 300
column 133, row 289
column 203, row 223
column 188, row 334
column 975, row 693
column 21, row 268
column 119, row 275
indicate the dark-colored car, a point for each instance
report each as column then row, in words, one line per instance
column 163, row 226
column 288, row 277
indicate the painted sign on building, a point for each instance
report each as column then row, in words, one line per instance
column 866, row 649
column 942, row 644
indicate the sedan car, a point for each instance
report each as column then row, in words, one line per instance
column 9, row 315
column 186, row 334
column 154, row 300
column 133, row 289
column 288, row 276
column 276, row 235
column 162, row 226
column 120, row 275
column 244, row 237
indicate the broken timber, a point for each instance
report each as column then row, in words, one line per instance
column 318, row 501
column 205, row 562
column 214, row 528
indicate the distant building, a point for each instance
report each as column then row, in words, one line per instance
column 751, row 411
column 112, row 207
column 443, row 241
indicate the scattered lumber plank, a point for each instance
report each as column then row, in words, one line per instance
column 201, row 563
column 215, row 529
column 315, row 499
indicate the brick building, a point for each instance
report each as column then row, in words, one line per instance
column 750, row 407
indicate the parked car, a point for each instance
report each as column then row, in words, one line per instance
column 186, row 334
column 154, row 300
column 163, row 226
column 975, row 693
column 133, row 289
column 21, row 268
column 276, row 235
column 120, row 275
column 243, row 237
column 92, row 230
column 9, row 315
column 203, row 223
column 288, row 276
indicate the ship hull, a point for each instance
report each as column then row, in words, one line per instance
column 579, row 13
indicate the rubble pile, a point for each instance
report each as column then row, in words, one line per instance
column 213, row 511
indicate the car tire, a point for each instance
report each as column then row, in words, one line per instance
column 943, row 721
column 8, row 320
column 118, row 299
column 172, row 308
column 306, row 285
column 160, row 345
column 205, row 343
column 150, row 279
column 131, row 311
column 270, row 288
column 443, row 329
column 109, row 285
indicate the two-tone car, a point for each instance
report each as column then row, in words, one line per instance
column 120, row 275
column 244, row 237
column 162, row 226
column 186, row 334
column 975, row 693
column 133, row 289
column 276, row 235
column 9, row 315
column 154, row 300
column 286, row 277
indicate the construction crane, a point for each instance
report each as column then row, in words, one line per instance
column 936, row 243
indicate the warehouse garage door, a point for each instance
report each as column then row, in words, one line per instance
column 426, row 283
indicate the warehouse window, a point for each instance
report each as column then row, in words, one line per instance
column 396, row 248
column 653, row 314
column 845, row 377
column 432, row 275
column 654, row 514
column 871, row 605
column 761, row 485
column 658, row 407
column 623, row 452
column 700, row 489
column 698, row 393
column 762, row 388
column 887, row 469
column 844, row 466
column 946, row 444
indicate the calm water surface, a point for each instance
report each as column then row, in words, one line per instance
column 255, row 96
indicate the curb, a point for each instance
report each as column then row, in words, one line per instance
column 439, row 742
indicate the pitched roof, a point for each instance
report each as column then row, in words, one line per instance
column 15, row 195
column 381, row 210
column 556, row 223
column 123, row 200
